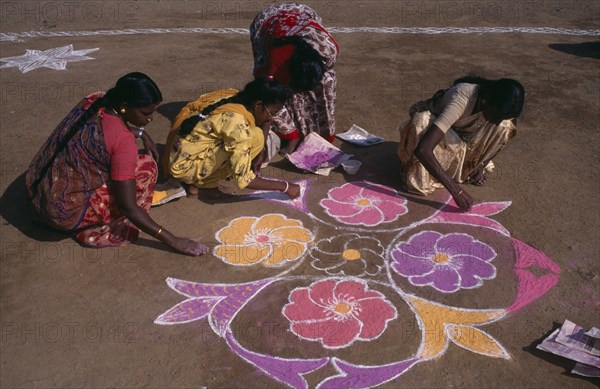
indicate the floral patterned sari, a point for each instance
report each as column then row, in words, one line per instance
column 68, row 182
column 305, row 112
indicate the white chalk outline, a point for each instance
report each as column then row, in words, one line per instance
column 340, row 263
column 252, row 243
column 55, row 58
column 338, row 280
column 480, row 279
column 407, row 297
column 351, row 201
column 15, row 36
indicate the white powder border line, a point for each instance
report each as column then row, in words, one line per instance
column 16, row 36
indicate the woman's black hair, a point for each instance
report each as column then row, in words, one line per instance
column 306, row 64
column 506, row 94
column 260, row 89
column 133, row 89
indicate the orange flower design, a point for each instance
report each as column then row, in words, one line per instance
column 271, row 240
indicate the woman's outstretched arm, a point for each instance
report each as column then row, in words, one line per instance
column 125, row 194
column 424, row 152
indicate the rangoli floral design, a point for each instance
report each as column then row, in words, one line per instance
column 337, row 313
column 270, row 240
column 357, row 255
column 446, row 262
column 366, row 204
column 352, row 270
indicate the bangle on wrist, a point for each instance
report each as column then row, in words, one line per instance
column 287, row 186
column 158, row 232
column 459, row 193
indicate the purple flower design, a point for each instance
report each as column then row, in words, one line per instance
column 446, row 262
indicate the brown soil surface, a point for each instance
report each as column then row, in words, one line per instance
column 80, row 318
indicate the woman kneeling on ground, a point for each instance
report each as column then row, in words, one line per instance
column 88, row 178
column 222, row 135
column 452, row 137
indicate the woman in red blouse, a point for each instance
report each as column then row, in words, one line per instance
column 88, row 179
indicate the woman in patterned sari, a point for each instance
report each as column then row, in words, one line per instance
column 291, row 46
column 452, row 137
column 88, row 179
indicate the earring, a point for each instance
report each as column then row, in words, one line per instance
column 122, row 110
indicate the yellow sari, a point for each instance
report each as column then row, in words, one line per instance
column 219, row 147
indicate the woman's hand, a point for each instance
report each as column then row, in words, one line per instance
column 290, row 147
column 150, row 146
column 293, row 190
column 188, row 246
column 125, row 194
column 258, row 161
column 463, row 200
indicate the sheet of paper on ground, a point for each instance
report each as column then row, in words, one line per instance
column 359, row 136
column 318, row 156
column 573, row 342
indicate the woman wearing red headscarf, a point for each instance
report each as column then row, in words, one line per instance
column 291, row 46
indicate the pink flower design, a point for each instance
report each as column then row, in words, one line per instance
column 364, row 203
column 338, row 312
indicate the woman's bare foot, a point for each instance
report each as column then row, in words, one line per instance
column 192, row 191
column 477, row 177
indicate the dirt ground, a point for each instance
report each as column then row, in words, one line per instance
column 81, row 318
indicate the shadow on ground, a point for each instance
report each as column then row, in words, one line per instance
column 585, row 49
column 16, row 211
column 380, row 165
column 170, row 110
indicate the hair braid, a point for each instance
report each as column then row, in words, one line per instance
column 188, row 125
column 260, row 89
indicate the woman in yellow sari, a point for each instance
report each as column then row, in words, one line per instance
column 222, row 135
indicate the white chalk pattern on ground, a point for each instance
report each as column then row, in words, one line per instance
column 56, row 58
column 17, row 36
